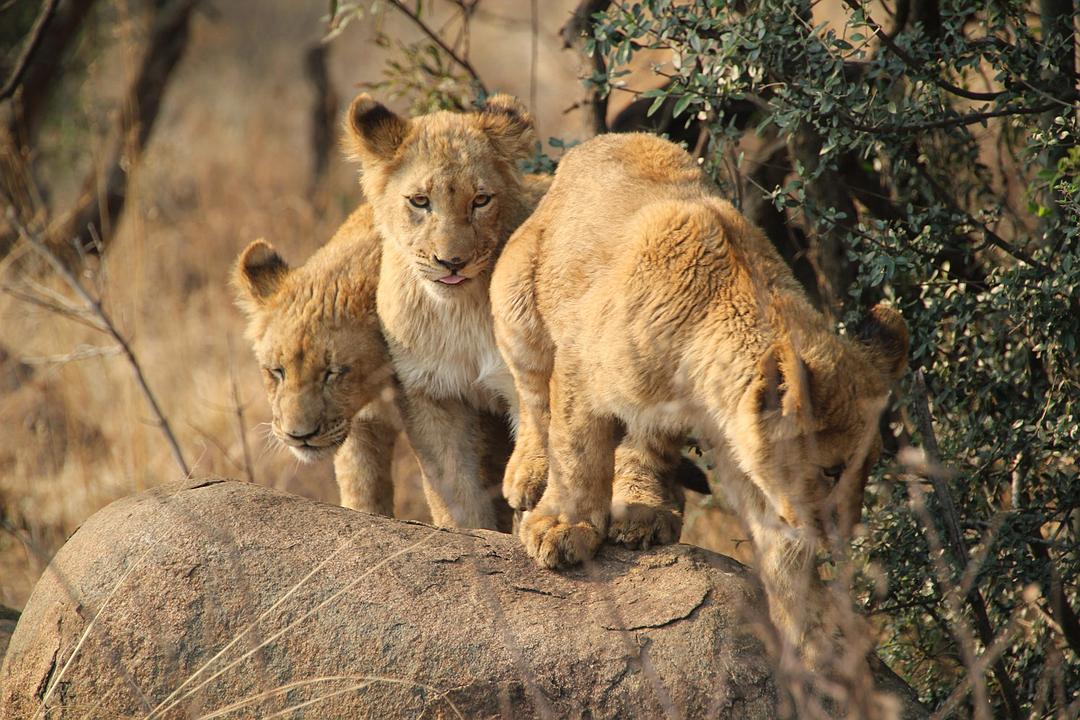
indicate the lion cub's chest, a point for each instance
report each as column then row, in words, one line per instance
column 445, row 348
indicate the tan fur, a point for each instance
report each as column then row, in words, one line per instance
column 440, row 336
column 316, row 319
column 635, row 295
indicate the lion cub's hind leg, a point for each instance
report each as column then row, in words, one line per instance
column 646, row 504
column 362, row 463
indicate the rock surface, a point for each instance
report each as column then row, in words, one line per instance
column 188, row 600
column 8, row 618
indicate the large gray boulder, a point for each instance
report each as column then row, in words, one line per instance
column 188, row 600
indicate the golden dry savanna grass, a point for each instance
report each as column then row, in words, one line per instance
column 230, row 160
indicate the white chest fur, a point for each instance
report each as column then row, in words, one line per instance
column 444, row 343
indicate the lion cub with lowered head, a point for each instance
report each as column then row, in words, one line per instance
column 326, row 366
column 635, row 295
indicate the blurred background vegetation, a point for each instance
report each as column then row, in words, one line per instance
column 919, row 151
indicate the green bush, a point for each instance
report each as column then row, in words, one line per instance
column 934, row 164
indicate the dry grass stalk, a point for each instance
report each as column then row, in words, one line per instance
column 104, row 323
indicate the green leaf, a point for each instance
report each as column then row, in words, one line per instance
column 681, row 104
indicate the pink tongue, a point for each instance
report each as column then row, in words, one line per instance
column 452, row 279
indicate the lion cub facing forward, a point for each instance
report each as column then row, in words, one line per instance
column 635, row 295
column 446, row 194
column 325, row 364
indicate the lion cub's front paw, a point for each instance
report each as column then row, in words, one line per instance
column 640, row 526
column 525, row 480
column 555, row 543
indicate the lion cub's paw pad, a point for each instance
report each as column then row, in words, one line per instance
column 643, row 526
column 555, row 543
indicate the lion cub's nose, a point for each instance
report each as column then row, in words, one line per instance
column 453, row 264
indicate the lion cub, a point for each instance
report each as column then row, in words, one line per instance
column 326, row 367
column 446, row 194
column 635, row 295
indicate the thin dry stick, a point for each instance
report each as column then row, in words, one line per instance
column 36, row 33
column 491, row 599
column 97, row 311
column 959, row 629
column 462, row 61
column 956, row 539
column 534, row 52
column 252, row 699
column 249, row 467
column 992, row 653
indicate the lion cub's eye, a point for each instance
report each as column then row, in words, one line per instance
column 420, row 201
column 835, row 471
column 334, row 372
column 481, row 200
column 277, row 373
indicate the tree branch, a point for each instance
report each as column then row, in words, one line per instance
column 887, row 40
column 991, row 237
column 324, row 112
column 95, row 309
column 48, row 8
column 1060, row 609
column 39, row 76
column 958, row 121
column 437, row 39
column 957, row 545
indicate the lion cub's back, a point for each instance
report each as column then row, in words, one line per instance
column 586, row 224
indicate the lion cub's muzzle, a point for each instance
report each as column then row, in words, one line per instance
column 316, row 444
column 452, row 271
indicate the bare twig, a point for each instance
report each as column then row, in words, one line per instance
column 83, row 352
column 36, row 33
column 957, row 545
column 460, row 60
column 63, row 310
column 98, row 312
column 241, row 426
column 973, row 118
column 933, row 456
column 1060, row 610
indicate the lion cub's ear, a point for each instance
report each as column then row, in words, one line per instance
column 884, row 335
column 373, row 133
column 784, row 385
column 509, row 125
column 257, row 276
